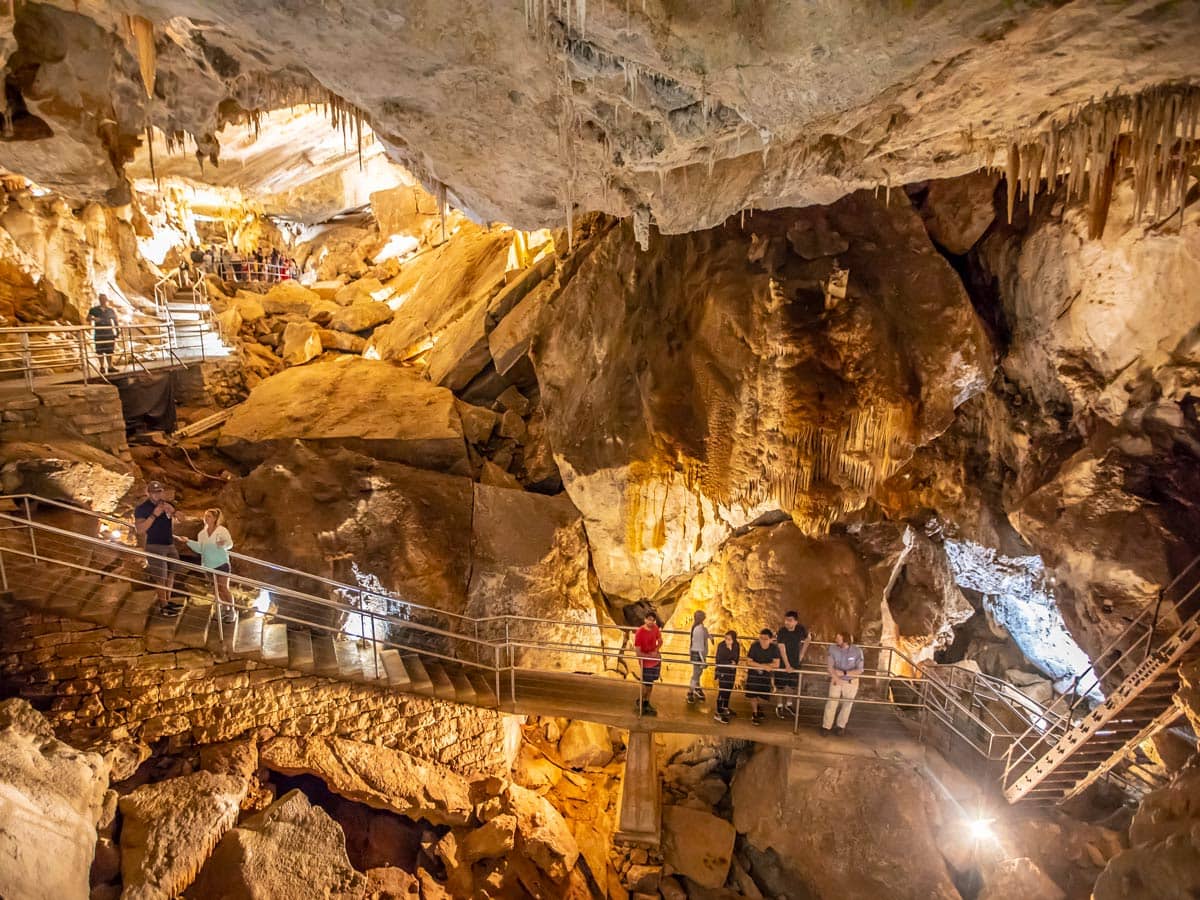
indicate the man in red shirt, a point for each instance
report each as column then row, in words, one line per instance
column 648, row 640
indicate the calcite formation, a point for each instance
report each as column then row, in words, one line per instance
column 698, row 386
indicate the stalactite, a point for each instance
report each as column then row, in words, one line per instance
column 142, row 32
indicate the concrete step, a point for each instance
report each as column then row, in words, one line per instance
column 193, row 624
column 443, row 687
column 349, row 661
column 300, row 649
column 418, row 677
column 463, row 691
column 485, row 689
column 397, row 675
column 248, row 641
column 159, row 627
column 134, row 611
column 325, row 661
column 274, row 644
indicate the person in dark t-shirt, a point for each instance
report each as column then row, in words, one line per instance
column 792, row 639
column 104, row 317
column 763, row 659
column 154, row 520
column 729, row 654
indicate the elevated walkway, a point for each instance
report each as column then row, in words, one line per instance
column 82, row 565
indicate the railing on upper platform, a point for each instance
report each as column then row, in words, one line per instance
column 69, row 352
column 967, row 715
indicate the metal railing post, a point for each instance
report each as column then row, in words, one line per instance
column 32, row 540
column 496, row 667
column 83, row 362
column 799, row 691
column 3, row 573
column 218, row 610
column 27, row 360
column 374, row 648
column 512, row 664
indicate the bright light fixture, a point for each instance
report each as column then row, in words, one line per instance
column 115, row 534
column 981, row 829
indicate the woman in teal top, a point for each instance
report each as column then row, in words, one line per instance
column 213, row 543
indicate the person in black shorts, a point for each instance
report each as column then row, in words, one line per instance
column 104, row 317
column 729, row 654
column 763, row 660
column 793, row 644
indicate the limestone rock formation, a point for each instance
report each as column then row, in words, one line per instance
column 697, row 845
column 66, row 469
column 377, row 776
column 542, row 836
column 712, row 385
column 333, row 513
column 300, row 343
column 538, row 568
column 585, row 744
column 169, row 829
column 890, row 850
column 290, row 849
column 54, row 796
column 957, row 211
column 354, row 403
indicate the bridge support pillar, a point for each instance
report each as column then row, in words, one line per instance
column 639, row 815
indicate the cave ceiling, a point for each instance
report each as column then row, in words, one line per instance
column 683, row 113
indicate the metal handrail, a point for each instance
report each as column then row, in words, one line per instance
column 1063, row 720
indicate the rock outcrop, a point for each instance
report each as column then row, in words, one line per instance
column 54, row 796
column 359, row 404
column 713, row 385
column 290, row 849
column 377, row 776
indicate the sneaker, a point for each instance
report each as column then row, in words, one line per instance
column 721, row 717
column 825, row 732
column 228, row 618
column 648, row 710
column 170, row 611
column 779, row 711
column 691, row 697
column 700, row 694
column 756, row 720
column 839, row 731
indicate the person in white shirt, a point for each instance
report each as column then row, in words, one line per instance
column 213, row 543
column 698, row 653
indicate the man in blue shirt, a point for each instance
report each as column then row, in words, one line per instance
column 153, row 519
column 845, row 665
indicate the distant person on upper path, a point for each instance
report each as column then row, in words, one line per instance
column 104, row 317
column 845, row 665
column 698, row 653
column 154, row 520
column 213, row 543
column 729, row 654
column 648, row 641
column 763, row 659
column 793, row 644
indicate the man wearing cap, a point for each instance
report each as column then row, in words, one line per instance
column 154, row 519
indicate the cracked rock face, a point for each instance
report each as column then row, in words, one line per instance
column 686, row 115
column 695, row 387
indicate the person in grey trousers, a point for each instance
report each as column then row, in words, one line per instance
column 698, row 653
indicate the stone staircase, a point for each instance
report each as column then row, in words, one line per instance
column 195, row 334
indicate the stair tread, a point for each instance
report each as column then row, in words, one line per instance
column 101, row 607
column 464, row 692
column 248, row 639
column 349, row 661
column 393, row 665
column 134, row 610
column 325, row 661
column 418, row 676
column 274, row 644
column 193, row 624
column 485, row 692
column 300, row 649
column 442, row 686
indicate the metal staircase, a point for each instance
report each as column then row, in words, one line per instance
column 187, row 313
column 1056, row 760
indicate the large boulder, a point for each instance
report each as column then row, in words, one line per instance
column 957, row 211
column 869, row 825
column 461, row 351
column 300, row 343
column 537, row 569
column 585, row 744
column 53, row 800
column 361, row 404
column 340, row 515
column 66, row 469
column 1019, row 877
column 362, row 315
column 542, row 835
column 693, row 387
column 290, row 849
column 377, row 776
column 169, row 829
column 288, row 298
column 698, row 845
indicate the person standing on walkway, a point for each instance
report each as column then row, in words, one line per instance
column 154, row 521
column 764, row 660
column 845, row 665
column 648, row 641
column 793, row 644
column 213, row 543
column 104, row 318
column 729, row 654
column 698, row 653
